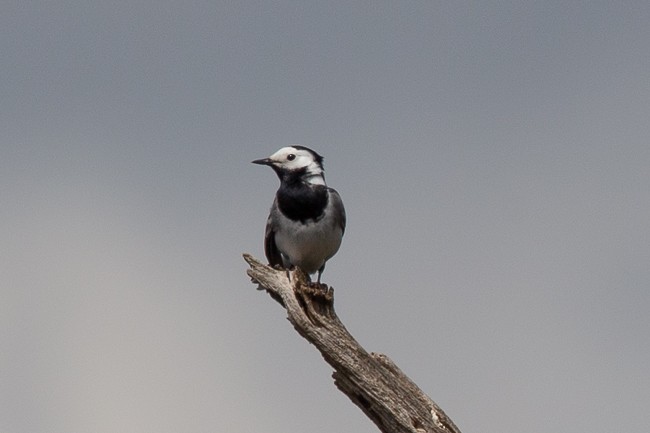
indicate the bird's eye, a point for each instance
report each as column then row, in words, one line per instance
column 291, row 157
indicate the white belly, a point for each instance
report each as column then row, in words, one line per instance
column 308, row 246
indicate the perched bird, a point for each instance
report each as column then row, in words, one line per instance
column 307, row 218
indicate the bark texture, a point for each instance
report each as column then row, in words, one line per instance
column 371, row 380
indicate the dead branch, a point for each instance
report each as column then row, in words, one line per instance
column 371, row 380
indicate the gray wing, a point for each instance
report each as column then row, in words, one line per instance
column 337, row 206
column 270, row 248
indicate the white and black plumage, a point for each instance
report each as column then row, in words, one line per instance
column 307, row 218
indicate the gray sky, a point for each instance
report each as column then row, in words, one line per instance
column 493, row 157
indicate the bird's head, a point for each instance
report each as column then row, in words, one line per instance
column 297, row 161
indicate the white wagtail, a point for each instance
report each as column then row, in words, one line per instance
column 307, row 218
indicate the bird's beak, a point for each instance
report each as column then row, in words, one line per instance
column 263, row 161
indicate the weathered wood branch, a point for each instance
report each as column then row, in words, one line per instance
column 371, row 380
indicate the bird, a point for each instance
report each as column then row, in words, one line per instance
column 307, row 219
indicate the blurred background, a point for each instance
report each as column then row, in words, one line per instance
column 494, row 162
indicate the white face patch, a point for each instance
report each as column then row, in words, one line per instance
column 290, row 158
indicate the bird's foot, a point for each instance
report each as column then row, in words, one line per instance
column 321, row 290
column 318, row 285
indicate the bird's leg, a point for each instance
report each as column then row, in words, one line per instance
column 320, row 272
column 292, row 268
column 318, row 284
